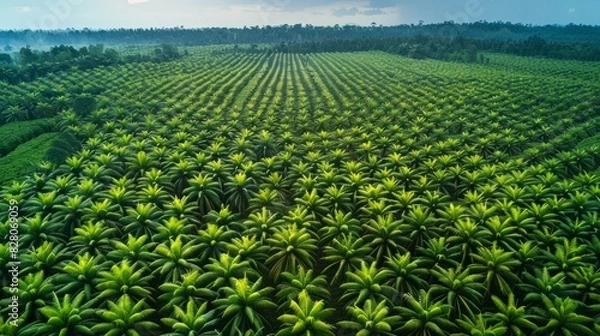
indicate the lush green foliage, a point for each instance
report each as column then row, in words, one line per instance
column 336, row 193
column 18, row 132
column 23, row 160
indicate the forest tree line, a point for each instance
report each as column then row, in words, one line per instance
column 297, row 33
column 31, row 64
column 460, row 48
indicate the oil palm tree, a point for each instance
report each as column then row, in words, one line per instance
column 125, row 317
column 561, row 318
column 243, row 305
column 34, row 292
column 135, row 249
column 420, row 225
column 174, row 259
column 463, row 291
column 385, row 237
column 64, row 317
column 123, row 279
column 141, row 220
column 542, row 283
column 290, row 247
column 250, row 249
column 221, row 271
column 239, row 189
column 407, row 274
column 480, row 326
column 194, row 320
column 81, row 276
column 344, row 255
column 301, row 280
column 211, row 242
column 515, row 318
column 438, row 252
column 371, row 320
column 470, row 236
column 189, row 288
column 94, row 238
column 368, row 282
column 497, row 266
column 262, row 225
column 337, row 224
column 39, row 229
column 422, row 316
column 308, row 318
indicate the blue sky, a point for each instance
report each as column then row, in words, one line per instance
column 59, row 14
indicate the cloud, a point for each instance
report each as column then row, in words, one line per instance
column 25, row 9
column 383, row 3
column 374, row 11
column 572, row 10
column 136, row 2
column 345, row 12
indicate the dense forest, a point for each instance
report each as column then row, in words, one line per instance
column 442, row 48
column 31, row 64
column 14, row 39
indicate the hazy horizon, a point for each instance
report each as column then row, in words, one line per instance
column 109, row 14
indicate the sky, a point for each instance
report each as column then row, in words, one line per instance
column 95, row 14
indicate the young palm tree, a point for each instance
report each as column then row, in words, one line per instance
column 220, row 271
column 337, row 224
column 497, row 266
column 438, row 252
column 470, row 236
column 301, row 280
column 290, row 247
column 211, row 242
column 135, row 249
column 66, row 317
column 561, row 318
column 385, row 237
column 463, row 291
column 123, row 279
column 408, row 276
column 181, row 207
column 480, row 326
column 250, row 249
column 34, row 292
column 568, row 256
column 302, row 217
column 262, row 225
column 172, row 228
column 516, row 320
column 422, row 316
column 315, row 204
column 345, row 255
column 193, row 321
column 420, row 226
column 80, row 277
column 238, row 191
column 541, row 283
column 71, row 211
column 174, row 259
column 125, row 318
column 94, row 238
column 243, row 304
column 371, row 320
column 368, row 282
column 38, row 229
column 308, row 318
column 587, row 281
column 224, row 218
